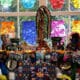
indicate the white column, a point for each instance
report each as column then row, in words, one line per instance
column 18, row 22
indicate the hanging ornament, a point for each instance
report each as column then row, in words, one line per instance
column 57, row 4
column 76, row 26
column 6, row 3
column 7, row 28
column 76, row 3
column 29, row 32
column 28, row 4
column 58, row 29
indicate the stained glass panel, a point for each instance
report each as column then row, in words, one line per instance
column 58, row 29
column 29, row 5
column 7, row 27
column 76, row 26
column 28, row 28
column 75, row 23
column 57, row 5
column 8, row 19
column 8, row 5
column 29, row 32
column 62, row 25
column 75, row 5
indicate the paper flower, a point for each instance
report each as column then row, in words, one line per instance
column 76, row 26
column 76, row 3
column 28, row 4
column 7, row 27
column 57, row 4
column 58, row 28
column 29, row 32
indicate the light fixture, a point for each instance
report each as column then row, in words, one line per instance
column 28, row 4
column 29, row 32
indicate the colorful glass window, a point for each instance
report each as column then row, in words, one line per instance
column 8, row 28
column 57, row 4
column 29, row 33
column 27, row 4
column 76, row 26
column 30, row 5
column 76, row 3
column 8, row 5
column 58, row 28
